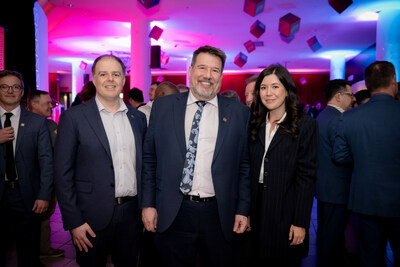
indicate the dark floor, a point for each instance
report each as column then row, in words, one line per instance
column 62, row 240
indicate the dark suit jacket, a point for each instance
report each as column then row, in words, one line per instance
column 369, row 136
column 164, row 156
column 84, row 174
column 333, row 180
column 289, row 175
column 33, row 159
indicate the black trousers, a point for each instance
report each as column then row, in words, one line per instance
column 375, row 231
column 195, row 234
column 18, row 222
column 332, row 221
column 119, row 239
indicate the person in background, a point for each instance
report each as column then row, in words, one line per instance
column 333, row 181
column 368, row 137
column 250, row 90
column 26, row 171
column 283, row 158
column 182, row 88
column 231, row 94
column 361, row 97
column 146, row 109
column 135, row 98
column 40, row 102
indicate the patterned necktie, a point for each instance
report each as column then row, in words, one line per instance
column 187, row 175
column 10, row 163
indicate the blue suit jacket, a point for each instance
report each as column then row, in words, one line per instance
column 333, row 180
column 164, row 156
column 369, row 136
column 83, row 168
column 33, row 159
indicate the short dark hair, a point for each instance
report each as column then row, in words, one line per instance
column 136, row 94
column 251, row 79
column 4, row 73
column 335, row 86
column 379, row 75
column 111, row 56
column 209, row 50
column 361, row 95
column 34, row 95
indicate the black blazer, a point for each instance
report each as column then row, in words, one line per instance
column 289, row 174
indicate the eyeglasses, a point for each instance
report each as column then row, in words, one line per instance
column 15, row 87
column 349, row 94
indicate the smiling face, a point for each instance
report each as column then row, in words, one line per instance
column 43, row 105
column 109, row 79
column 10, row 99
column 273, row 94
column 205, row 76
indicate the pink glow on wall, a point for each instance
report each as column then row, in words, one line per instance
column 1, row 48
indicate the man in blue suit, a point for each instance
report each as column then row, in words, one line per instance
column 333, row 181
column 98, row 161
column 26, row 174
column 196, row 197
column 368, row 136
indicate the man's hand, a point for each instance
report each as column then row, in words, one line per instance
column 149, row 218
column 240, row 224
column 40, row 206
column 297, row 235
column 6, row 134
column 79, row 236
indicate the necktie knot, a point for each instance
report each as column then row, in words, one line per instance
column 201, row 103
column 8, row 115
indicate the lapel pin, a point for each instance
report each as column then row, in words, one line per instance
column 224, row 119
column 22, row 124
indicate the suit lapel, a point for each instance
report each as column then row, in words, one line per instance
column 179, row 110
column 135, row 128
column 223, row 125
column 278, row 137
column 92, row 114
column 22, row 124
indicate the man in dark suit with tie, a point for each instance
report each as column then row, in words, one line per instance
column 333, row 181
column 26, row 173
column 196, row 187
column 98, row 161
column 368, row 136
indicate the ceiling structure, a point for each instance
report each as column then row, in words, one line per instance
column 84, row 29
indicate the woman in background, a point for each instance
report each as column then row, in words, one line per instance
column 283, row 154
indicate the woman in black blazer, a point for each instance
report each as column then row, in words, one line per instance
column 283, row 154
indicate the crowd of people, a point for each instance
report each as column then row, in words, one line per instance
column 196, row 178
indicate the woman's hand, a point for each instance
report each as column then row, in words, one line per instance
column 297, row 235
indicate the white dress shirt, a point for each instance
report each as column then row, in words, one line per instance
column 146, row 109
column 123, row 150
column 268, row 139
column 208, row 130
column 14, row 123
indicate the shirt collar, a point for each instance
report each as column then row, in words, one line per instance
column 122, row 106
column 280, row 120
column 338, row 108
column 16, row 111
column 192, row 99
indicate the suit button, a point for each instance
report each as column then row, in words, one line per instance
column 266, row 160
column 112, row 167
column 112, row 185
column 265, row 173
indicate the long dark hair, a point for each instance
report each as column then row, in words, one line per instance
column 292, row 103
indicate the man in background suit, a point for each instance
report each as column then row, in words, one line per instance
column 197, row 197
column 368, row 136
column 40, row 102
column 333, row 181
column 26, row 173
column 98, row 161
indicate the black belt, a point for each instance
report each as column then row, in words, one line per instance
column 12, row 184
column 199, row 199
column 122, row 200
